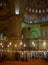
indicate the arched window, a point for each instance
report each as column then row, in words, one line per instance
column 35, row 20
column 43, row 19
column 44, row 33
column 47, row 18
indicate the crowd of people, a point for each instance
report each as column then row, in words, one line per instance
column 25, row 56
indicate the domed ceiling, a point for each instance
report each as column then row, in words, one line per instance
column 11, row 8
column 7, row 7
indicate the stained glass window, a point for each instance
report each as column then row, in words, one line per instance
column 43, row 19
column 46, row 18
column 1, row 36
column 30, row 22
column 43, row 32
column 35, row 20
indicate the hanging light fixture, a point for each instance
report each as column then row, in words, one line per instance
column 1, row 44
column 24, row 45
column 33, row 43
column 15, row 45
column 8, row 46
column 20, row 43
column 44, row 43
column 10, row 43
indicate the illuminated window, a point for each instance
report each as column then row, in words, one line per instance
column 33, row 11
column 46, row 18
column 27, row 8
column 43, row 19
column 46, row 10
column 1, row 35
column 39, row 11
column 22, row 36
column 5, row 4
column 1, row 4
column 17, row 7
column 36, row 11
column 35, row 20
column 30, row 10
column 30, row 21
column 17, row 11
column 43, row 10
column 44, row 54
column 43, row 32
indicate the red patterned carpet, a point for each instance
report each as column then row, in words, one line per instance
column 30, row 62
